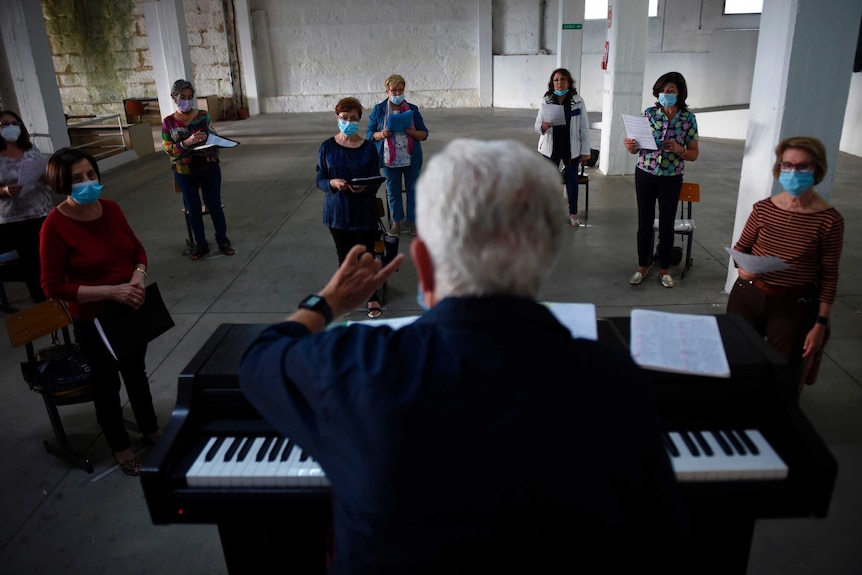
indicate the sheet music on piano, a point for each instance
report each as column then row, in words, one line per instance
column 678, row 343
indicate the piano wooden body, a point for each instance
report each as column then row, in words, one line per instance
column 283, row 510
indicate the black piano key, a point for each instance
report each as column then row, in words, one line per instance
column 232, row 449
column 286, row 453
column 276, row 449
column 701, row 440
column 246, row 447
column 747, row 441
column 722, row 443
column 303, row 456
column 214, row 449
column 261, row 453
column 692, row 448
column 734, row 441
column 670, row 445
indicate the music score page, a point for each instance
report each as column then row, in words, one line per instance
column 679, row 343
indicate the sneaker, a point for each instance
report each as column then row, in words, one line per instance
column 574, row 221
column 637, row 278
column 667, row 281
column 395, row 230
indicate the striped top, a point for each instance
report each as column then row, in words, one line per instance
column 175, row 131
column 809, row 243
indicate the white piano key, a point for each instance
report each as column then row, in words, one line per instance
column 228, row 473
column 246, row 473
column 722, row 467
column 211, row 471
column 194, row 472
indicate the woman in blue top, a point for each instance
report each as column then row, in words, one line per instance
column 400, row 149
column 659, row 173
column 350, row 212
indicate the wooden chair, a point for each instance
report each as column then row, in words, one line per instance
column 684, row 225
column 24, row 328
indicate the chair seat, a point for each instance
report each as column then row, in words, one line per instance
column 679, row 226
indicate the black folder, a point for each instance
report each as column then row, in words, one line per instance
column 124, row 329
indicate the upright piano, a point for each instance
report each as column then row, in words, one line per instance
column 741, row 448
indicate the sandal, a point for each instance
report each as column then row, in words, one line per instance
column 132, row 466
column 199, row 253
column 226, row 249
column 374, row 311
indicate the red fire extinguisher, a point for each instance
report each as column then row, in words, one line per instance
column 605, row 57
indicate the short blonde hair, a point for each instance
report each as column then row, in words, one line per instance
column 394, row 80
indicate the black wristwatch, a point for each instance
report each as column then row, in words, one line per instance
column 317, row 303
column 822, row 319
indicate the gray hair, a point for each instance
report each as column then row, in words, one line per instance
column 489, row 212
column 179, row 86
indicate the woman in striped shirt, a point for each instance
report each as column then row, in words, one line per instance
column 791, row 307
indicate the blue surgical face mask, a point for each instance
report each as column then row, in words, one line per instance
column 419, row 297
column 184, row 105
column 11, row 133
column 667, row 100
column 348, row 128
column 86, row 192
column 397, row 99
column 561, row 92
column 796, row 183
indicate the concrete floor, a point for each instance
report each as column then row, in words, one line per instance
column 61, row 520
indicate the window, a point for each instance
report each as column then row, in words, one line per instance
column 743, row 6
column 598, row 9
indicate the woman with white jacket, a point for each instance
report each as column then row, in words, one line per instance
column 569, row 142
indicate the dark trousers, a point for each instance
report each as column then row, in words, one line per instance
column 346, row 239
column 207, row 178
column 664, row 190
column 571, row 179
column 105, row 374
column 783, row 319
column 23, row 237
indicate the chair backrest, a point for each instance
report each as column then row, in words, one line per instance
column 690, row 192
column 36, row 321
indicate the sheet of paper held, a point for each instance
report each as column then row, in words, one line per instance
column 214, row 141
column 554, row 114
column 29, row 171
column 757, row 264
column 580, row 318
column 679, row 343
column 638, row 128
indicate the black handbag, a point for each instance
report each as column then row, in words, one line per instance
column 60, row 370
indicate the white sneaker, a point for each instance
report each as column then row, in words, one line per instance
column 667, row 281
column 574, row 221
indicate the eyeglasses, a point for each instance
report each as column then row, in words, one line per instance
column 803, row 167
column 4, row 124
column 349, row 118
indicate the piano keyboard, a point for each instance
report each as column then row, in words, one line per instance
column 249, row 461
column 723, row 455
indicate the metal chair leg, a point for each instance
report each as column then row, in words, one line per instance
column 63, row 450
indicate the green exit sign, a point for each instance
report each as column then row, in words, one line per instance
column 572, row 26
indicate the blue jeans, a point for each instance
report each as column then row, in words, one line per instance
column 394, row 177
column 208, row 180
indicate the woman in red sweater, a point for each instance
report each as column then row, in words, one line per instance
column 91, row 256
column 791, row 307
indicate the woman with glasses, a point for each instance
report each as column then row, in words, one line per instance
column 349, row 210
column 658, row 177
column 24, row 198
column 791, row 307
column 568, row 139
column 400, row 149
column 195, row 169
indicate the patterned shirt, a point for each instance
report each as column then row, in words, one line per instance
column 34, row 200
column 809, row 243
column 175, row 131
column 683, row 129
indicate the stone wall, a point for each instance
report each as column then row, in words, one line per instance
column 101, row 55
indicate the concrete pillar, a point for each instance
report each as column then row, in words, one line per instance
column 802, row 76
column 245, row 37
column 570, row 39
column 169, row 48
column 486, row 55
column 624, row 79
column 36, row 96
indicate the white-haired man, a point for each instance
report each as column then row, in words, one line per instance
column 482, row 436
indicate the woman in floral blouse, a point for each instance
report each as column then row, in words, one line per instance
column 659, row 173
